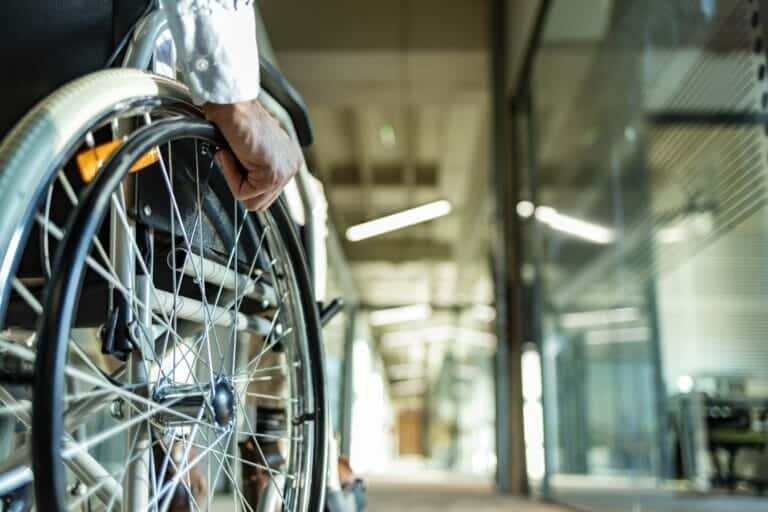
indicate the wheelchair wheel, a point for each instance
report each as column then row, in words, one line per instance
column 38, row 190
column 179, row 364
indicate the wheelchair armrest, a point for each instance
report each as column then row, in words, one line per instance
column 278, row 87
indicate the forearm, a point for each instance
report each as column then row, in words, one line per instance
column 217, row 50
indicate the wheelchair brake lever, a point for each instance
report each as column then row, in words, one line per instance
column 329, row 312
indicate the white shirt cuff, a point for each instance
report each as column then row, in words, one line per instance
column 217, row 50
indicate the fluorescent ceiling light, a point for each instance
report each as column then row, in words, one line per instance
column 398, row 220
column 444, row 334
column 685, row 383
column 621, row 335
column 671, row 235
column 405, row 338
column 401, row 314
column 691, row 225
column 573, row 226
column 525, row 209
column 583, row 319
column 484, row 312
column 387, row 135
column 405, row 371
column 408, row 387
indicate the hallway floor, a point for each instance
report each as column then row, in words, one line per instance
column 632, row 501
column 450, row 495
column 449, row 498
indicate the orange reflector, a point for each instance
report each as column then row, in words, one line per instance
column 90, row 161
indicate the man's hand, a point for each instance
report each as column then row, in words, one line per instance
column 267, row 155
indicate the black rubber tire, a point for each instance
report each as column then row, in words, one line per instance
column 62, row 297
column 286, row 227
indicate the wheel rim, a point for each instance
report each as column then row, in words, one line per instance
column 154, row 404
column 42, row 224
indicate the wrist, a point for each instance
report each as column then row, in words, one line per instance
column 217, row 112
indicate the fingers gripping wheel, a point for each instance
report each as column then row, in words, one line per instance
column 210, row 290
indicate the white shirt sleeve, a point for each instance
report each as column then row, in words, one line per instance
column 217, row 50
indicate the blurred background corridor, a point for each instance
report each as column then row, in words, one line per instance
column 571, row 303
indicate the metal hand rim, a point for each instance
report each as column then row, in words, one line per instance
column 62, row 298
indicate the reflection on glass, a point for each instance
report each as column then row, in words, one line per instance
column 645, row 220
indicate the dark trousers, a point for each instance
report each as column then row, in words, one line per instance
column 46, row 43
column 43, row 45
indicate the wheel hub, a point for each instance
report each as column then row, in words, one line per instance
column 182, row 403
column 223, row 403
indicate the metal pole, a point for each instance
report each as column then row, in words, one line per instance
column 511, row 471
column 528, row 297
column 347, row 376
column 537, row 297
column 136, row 491
column 498, row 50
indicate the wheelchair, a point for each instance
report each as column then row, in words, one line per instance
column 160, row 346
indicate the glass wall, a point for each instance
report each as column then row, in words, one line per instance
column 646, row 234
column 333, row 340
column 439, row 376
column 461, row 436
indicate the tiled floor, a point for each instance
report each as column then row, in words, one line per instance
column 662, row 502
column 395, row 498
column 459, row 497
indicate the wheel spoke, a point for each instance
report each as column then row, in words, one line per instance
column 25, row 294
column 109, row 274
column 168, row 461
column 188, row 243
column 183, row 334
column 254, row 438
column 107, row 434
column 225, row 462
column 180, row 474
column 265, row 349
column 93, row 490
column 248, row 462
column 256, row 359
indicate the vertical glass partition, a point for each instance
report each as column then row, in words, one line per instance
column 647, row 239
